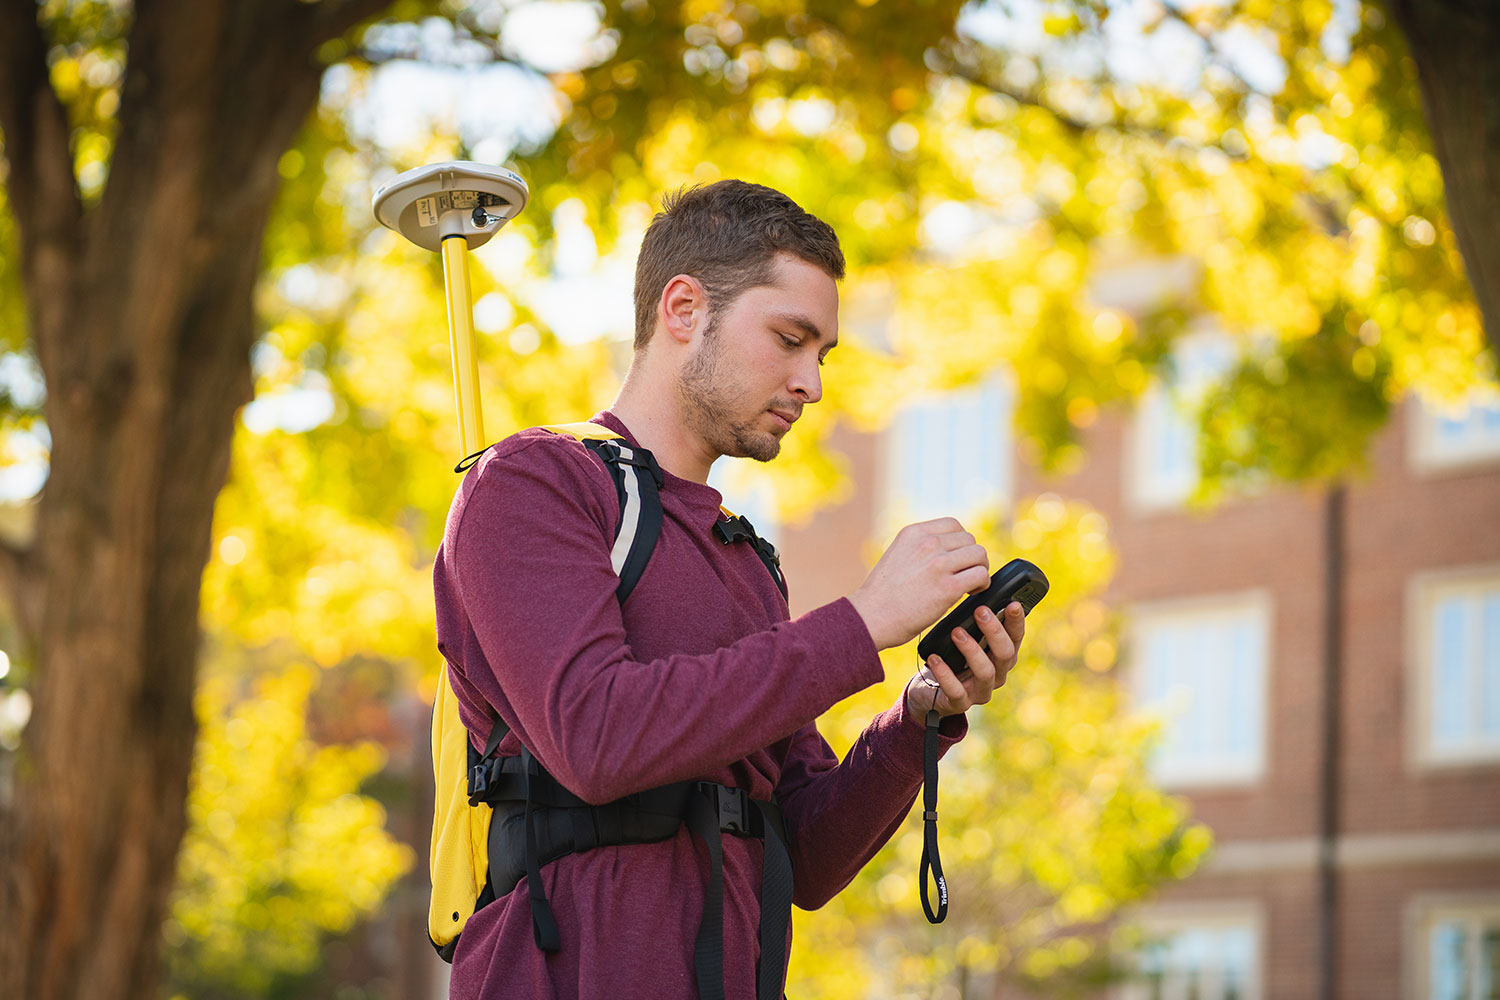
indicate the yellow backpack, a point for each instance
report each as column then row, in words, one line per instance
column 459, row 862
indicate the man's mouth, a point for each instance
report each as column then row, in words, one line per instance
column 787, row 417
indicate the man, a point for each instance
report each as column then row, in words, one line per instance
column 697, row 675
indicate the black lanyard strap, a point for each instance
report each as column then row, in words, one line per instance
column 930, row 859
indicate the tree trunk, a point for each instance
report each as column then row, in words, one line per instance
column 1454, row 44
column 140, row 309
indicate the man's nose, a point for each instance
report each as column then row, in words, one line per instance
column 806, row 383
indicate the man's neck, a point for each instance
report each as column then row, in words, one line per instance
column 652, row 413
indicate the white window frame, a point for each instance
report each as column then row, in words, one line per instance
column 1428, row 452
column 896, row 509
column 1423, row 914
column 1423, row 592
column 1156, row 415
column 1257, row 606
column 1200, row 360
column 1168, row 919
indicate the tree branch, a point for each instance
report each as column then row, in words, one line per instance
column 1210, row 37
column 1074, row 124
column 412, row 53
column 335, row 18
column 466, row 31
column 35, row 123
column 43, row 193
column 1327, row 214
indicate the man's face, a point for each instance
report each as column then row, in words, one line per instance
column 757, row 366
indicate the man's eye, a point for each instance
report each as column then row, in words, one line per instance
column 790, row 342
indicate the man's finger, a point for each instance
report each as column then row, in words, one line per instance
column 969, row 555
column 980, row 664
column 974, row 579
column 1002, row 646
column 1015, row 622
column 956, row 539
column 952, row 688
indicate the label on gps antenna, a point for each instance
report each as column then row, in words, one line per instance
column 431, row 208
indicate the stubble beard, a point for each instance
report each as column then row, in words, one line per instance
column 703, row 389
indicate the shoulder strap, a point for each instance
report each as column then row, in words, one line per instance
column 738, row 528
column 638, row 481
column 584, row 430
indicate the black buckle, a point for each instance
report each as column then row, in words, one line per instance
column 479, row 782
column 732, row 806
column 733, row 529
column 639, row 458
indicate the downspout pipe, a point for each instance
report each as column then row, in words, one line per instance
column 1335, row 513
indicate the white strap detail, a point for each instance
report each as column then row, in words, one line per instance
column 630, row 517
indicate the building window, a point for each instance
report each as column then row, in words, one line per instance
column 948, row 455
column 1459, row 434
column 1458, row 660
column 1205, row 958
column 1459, row 947
column 1200, row 668
column 1162, row 470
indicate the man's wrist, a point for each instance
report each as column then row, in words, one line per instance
column 921, row 697
column 861, row 603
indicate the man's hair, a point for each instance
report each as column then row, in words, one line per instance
column 727, row 235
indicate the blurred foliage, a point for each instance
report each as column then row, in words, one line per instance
column 995, row 177
column 12, row 303
column 1050, row 823
column 282, row 849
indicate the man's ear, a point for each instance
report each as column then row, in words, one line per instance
column 683, row 310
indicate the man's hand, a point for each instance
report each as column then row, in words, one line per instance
column 927, row 569
column 987, row 669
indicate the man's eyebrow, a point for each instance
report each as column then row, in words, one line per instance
column 804, row 324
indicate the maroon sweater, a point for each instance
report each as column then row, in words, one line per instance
column 699, row 675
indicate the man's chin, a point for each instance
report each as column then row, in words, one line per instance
column 756, row 445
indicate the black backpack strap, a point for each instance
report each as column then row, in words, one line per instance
column 708, row 950
column 468, row 460
column 543, row 924
column 736, row 528
column 638, row 481
column 713, row 810
column 554, row 822
column 775, row 904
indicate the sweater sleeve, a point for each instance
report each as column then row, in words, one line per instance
column 530, row 562
column 841, row 813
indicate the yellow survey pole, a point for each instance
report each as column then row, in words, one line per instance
column 461, row 343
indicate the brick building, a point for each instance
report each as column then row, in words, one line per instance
column 1327, row 663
